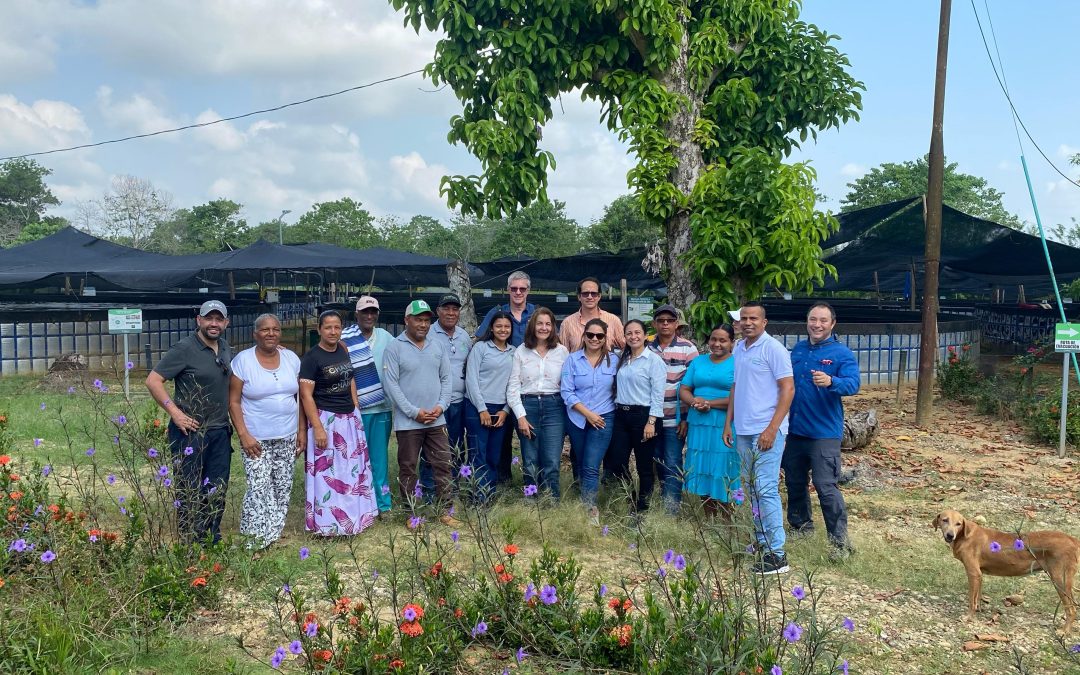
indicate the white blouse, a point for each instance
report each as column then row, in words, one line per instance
column 534, row 374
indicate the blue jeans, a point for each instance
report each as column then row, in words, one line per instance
column 589, row 445
column 455, row 432
column 669, row 462
column 201, row 480
column 761, row 477
column 484, row 446
column 377, row 432
column 540, row 454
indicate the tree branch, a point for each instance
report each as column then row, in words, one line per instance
column 636, row 37
column 737, row 48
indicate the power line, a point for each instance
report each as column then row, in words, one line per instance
column 1005, row 90
column 217, row 121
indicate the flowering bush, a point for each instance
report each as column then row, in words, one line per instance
column 958, row 378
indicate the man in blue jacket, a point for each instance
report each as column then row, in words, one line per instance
column 825, row 370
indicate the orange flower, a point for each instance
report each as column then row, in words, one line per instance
column 15, row 496
column 311, row 617
column 109, row 536
column 217, row 568
column 397, row 664
column 627, row 605
column 198, row 582
column 436, row 569
column 458, row 613
column 1023, row 371
column 624, row 634
column 414, row 607
column 53, row 508
column 412, row 628
column 353, row 621
column 14, row 477
column 97, row 533
column 1, row 583
column 5, row 460
column 966, row 347
column 614, row 603
column 500, row 568
column 342, row 605
column 511, row 550
column 505, row 578
column 323, row 655
column 157, row 423
column 441, row 602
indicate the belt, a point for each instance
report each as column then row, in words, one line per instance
column 627, row 408
column 541, row 395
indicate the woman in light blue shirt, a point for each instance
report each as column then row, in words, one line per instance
column 588, row 379
column 486, row 374
column 639, row 402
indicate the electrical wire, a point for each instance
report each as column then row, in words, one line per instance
column 217, row 121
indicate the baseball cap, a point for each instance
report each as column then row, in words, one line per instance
column 449, row 299
column 417, row 307
column 366, row 302
column 681, row 318
column 735, row 314
column 213, row 306
column 666, row 309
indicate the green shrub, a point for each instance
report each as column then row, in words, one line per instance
column 958, row 378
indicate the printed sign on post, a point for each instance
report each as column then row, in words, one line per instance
column 125, row 321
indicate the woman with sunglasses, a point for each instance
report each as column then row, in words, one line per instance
column 588, row 379
column 486, row 374
column 712, row 467
column 534, row 395
column 263, row 403
column 337, row 471
column 639, row 403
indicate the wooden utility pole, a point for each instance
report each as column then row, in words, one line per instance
column 928, row 344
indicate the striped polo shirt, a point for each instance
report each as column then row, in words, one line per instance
column 677, row 357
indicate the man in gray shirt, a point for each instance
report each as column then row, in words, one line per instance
column 456, row 344
column 199, row 433
column 417, row 378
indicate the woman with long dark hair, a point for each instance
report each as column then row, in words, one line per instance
column 588, row 379
column 639, row 402
column 534, row 395
column 337, row 471
column 712, row 466
column 487, row 372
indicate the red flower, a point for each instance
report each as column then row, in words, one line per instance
column 627, row 605
column 441, row 602
column 342, row 605
column 966, row 347
column 15, row 496
column 5, row 460
column 510, row 550
column 416, row 608
column 436, row 569
column 500, row 568
column 458, row 613
column 505, row 578
column 323, row 655
column 614, row 603
column 198, row 582
column 397, row 664
column 412, row 628
column 157, row 423
column 217, row 568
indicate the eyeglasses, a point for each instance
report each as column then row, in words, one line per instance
column 519, row 289
column 589, row 294
column 667, row 320
column 595, row 336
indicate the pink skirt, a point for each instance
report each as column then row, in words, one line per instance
column 339, row 498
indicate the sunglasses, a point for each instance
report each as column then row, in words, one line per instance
column 667, row 320
column 595, row 336
column 519, row 289
column 589, row 294
column 221, row 364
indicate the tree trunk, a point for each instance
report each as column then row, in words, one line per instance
column 683, row 291
column 457, row 273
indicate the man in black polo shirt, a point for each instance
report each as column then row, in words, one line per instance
column 199, row 432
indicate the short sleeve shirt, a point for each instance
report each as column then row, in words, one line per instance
column 268, row 396
column 332, row 374
column 757, row 370
column 201, row 378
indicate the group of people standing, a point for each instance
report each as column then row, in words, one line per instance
column 454, row 401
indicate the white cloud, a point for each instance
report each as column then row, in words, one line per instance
column 41, row 125
column 1067, row 151
column 414, row 178
column 853, row 170
column 136, row 114
column 221, row 136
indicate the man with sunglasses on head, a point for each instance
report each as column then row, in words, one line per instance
column 520, row 309
column 572, row 327
column 199, row 432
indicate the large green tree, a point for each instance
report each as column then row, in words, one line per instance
column 540, row 230
column 24, row 196
column 890, row 181
column 711, row 96
column 343, row 222
column 622, row 226
column 217, row 226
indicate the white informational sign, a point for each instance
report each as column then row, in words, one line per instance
column 124, row 321
column 639, row 307
column 1067, row 337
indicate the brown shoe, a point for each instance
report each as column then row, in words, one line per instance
column 450, row 521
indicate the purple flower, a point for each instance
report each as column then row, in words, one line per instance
column 43, row 405
column 163, row 471
column 280, row 651
column 71, row 390
column 374, row 574
column 385, row 489
column 669, row 556
column 98, row 384
column 205, row 482
column 130, row 365
column 530, row 490
column 530, row 592
column 739, row 496
column 46, row 470
column 121, row 420
column 548, row 595
column 661, row 573
column 755, row 512
column 415, row 522
column 633, row 547
column 168, row 483
column 311, row 629
column 479, row 629
column 295, row 647
column 47, row 557
column 515, row 461
column 176, row 503
column 286, row 589
column 792, row 632
column 680, row 563
column 123, row 511
column 90, row 452
column 151, row 453
column 19, row 545
column 604, row 531
column 603, row 590
column 38, row 442
column 798, row 592
column 418, row 491
column 188, row 451
column 454, row 536
column 304, row 553
column 276, row 659
column 116, row 440
column 1018, row 545
column 121, row 499
column 843, row 667
column 521, row 654
column 749, row 548
column 1075, row 649
column 848, row 625
column 409, row 614
column 110, row 479
column 465, row 471
column 93, row 538
column 450, row 511
column 995, row 547
column 776, row 670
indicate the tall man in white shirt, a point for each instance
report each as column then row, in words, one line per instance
column 761, row 397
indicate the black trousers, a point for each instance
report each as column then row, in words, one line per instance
column 201, row 479
column 626, row 438
column 818, row 458
column 506, row 453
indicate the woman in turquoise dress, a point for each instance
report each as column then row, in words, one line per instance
column 712, row 468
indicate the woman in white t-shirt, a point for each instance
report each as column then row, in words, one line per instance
column 265, row 410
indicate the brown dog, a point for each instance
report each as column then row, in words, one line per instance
column 973, row 545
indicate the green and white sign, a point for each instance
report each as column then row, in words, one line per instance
column 1067, row 337
column 123, row 321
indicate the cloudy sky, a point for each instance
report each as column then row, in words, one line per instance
column 74, row 72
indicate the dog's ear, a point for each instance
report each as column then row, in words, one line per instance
column 937, row 521
column 968, row 527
